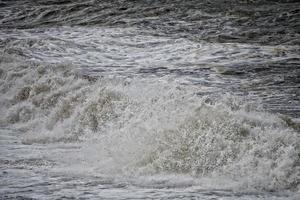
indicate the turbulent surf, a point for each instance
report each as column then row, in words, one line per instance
column 149, row 99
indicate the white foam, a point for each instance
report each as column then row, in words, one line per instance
column 150, row 128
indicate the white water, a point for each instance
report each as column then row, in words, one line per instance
column 71, row 126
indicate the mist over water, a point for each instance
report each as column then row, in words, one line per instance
column 149, row 99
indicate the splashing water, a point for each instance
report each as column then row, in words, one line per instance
column 139, row 100
column 145, row 128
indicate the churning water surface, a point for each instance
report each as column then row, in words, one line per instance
column 149, row 99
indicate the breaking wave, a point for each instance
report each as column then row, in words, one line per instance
column 148, row 127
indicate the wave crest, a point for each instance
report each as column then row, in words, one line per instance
column 150, row 127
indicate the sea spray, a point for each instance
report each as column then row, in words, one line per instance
column 145, row 127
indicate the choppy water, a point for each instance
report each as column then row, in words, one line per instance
column 149, row 99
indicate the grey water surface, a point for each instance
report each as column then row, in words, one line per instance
column 149, row 99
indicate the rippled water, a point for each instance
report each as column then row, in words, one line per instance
column 149, row 99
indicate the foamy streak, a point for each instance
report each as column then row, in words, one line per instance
column 262, row 71
column 262, row 21
column 147, row 127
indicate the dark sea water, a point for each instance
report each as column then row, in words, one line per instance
column 149, row 99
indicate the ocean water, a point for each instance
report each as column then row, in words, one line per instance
column 149, row 99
